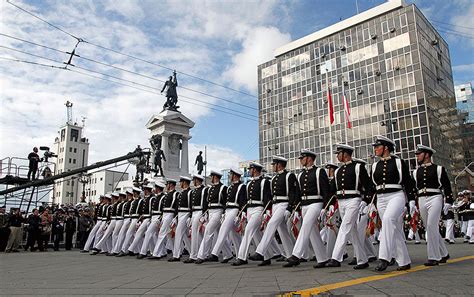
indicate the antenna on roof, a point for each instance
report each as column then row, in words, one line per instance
column 357, row 6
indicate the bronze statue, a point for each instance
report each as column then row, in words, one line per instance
column 200, row 163
column 155, row 142
column 171, row 94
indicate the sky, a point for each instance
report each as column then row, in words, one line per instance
column 215, row 46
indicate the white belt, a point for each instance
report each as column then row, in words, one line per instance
column 280, row 198
column 255, row 202
column 184, row 209
column 429, row 190
column 126, row 216
column 216, row 204
column 113, row 218
column 311, row 197
column 119, row 217
column 232, row 204
column 348, row 192
column 197, row 207
column 389, row 186
column 168, row 209
column 134, row 216
column 104, row 219
column 155, row 212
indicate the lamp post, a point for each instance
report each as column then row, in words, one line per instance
column 84, row 179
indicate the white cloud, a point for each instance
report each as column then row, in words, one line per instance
column 218, row 158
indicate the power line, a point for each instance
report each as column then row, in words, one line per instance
column 30, row 62
column 127, row 55
column 128, row 71
column 444, row 23
column 447, row 31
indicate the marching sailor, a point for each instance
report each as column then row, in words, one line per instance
column 135, row 210
column 118, row 221
column 126, row 223
column 199, row 203
column 97, row 226
column 183, row 207
column 392, row 181
column 285, row 192
column 350, row 181
column 236, row 200
column 105, row 243
column 144, row 219
column 314, row 189
column 432, row 183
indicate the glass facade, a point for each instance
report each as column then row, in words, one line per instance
column 395, row 72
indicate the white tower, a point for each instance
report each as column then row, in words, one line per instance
column 73, row 152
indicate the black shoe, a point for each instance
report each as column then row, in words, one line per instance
column 189, row 261
column 451, row 242
column 112, row 254
column 173, row 259
column 212, row 258
column 292, row 261
column 320, row 265
column 15, row 251
column 82, row 251
column 199, row 261
column 353, row 262
column 361, row 266
column 301, row 260
column 404, row 267
column 240, row 262
column 94, row 253
column 256, row 257
column 372, row 259
column 431, row 263
column 345, row 256
column 277, row 257
column 169, row 252
column 225, row 261
column 417, row 242
column 265, row 263
column 121, row 254
column 392, row 262
column 131, row 254
column 281, row 259
column 382, row 265
column 333, row 263
column 313, row 259
column 153, row 258
column 140, row 256
column 444, row 259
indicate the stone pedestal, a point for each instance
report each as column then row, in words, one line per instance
column 172, row 127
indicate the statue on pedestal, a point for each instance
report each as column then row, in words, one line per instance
column 158, row 153
column 171, row 93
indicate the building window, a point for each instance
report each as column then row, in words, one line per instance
column 70, row 160
column 269, row 71
column 101, row 178
column 384, row 27
column 74, row 135
column 63, row 134
column 73, row 161
column 75, row 150
column 403, row 20
column 70, row 149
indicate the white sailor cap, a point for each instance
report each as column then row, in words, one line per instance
column 171, row 181
column 129, row 191
column 357, row 160
column 279, row 159
column 382, row 140
column 101, row 196
column 215, row 173
column 331, row 165
column 307, row 153
column 255, row 165
column 108, row 196
column 198, row 176
column 136, row 189
column 342, row 147
column 159, row 184
column 115, row 194
column 122, row 194
column 424, row 149
column 149, row 185
column 185, row 178
column 236, row 171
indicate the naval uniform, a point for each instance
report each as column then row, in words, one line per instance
column 183, row 206
column 152, row 229
column 217, row 198
column 258, row 196
column 118, row 224
column 98, row 225
column 169, row 213
column 236, row 199
column 431, row 183
column 392, row 181
column 135, row 211
column 105, row 243
column 350, row 181
column 124, row 228
column 314, row 189
column 144, row 221
column 285, row 194
column 449, row 218
column 199, row 203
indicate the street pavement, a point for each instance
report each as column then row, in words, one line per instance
column 70, row 273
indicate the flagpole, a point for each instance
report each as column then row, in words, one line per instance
column 344, row 98
column 329, row 117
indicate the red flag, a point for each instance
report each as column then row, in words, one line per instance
column 347, row 110
column 331, row 107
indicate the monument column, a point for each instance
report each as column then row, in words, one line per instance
column 165, row 149
column 185, row 154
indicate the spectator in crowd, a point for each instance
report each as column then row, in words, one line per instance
column 34, row 231
column 84, row 227
column 46, row 227
column 70, row 228
column 57, row 228
column 15, row 222
column 33, row 166
column 4, row 229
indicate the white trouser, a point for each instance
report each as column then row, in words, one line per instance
column 137, row 242
column 92, row 234
column 212, row 229
column 227, row 230
column 160, row 246
column 150, row 232
column 464, row 225
column 470, row 230
column 276, row 222
column 196, row 236
column 367, row 245
column 115, row 234
column 392, row 238
column 105, row 243
column 122, row 234
column 132, row 228
column 181, row 235
column 430, row 211
column 349, row 209
column 309, row 233
column 252, row 230
column 449, row 230
column 99, row 234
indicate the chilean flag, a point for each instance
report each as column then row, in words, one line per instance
column 347, row 110
column 331, row 107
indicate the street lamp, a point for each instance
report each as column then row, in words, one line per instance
column 84, row 178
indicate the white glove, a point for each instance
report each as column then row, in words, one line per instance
column 203, row 218
column 174, row 221
column 322, row 214
column 370, row 208
column 296, row 217
column 243, row 215
column 287, row 215
column 236, row 221
column 331, row 209
column 446, row 207
column 188, row 222
column 412, row 207
column 266, row 215
column 362, row 206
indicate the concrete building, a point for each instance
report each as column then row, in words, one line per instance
column 395, row 71
column 465, row 101
column 102, row 182
column 72, row 149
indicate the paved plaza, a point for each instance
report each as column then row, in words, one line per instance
column 69, row 273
